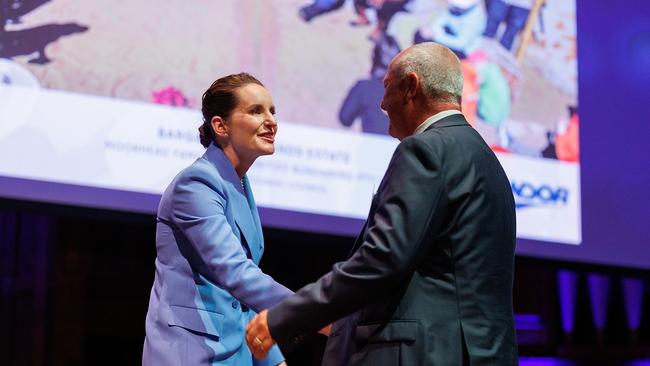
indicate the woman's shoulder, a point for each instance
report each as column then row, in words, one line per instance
column 194, row 189
column 201, row 177
column 201, row 170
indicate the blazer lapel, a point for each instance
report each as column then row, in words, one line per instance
column 453, row 120
column 257, row 244
column 239, row 199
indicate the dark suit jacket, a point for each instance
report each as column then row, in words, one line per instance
column 429, row 281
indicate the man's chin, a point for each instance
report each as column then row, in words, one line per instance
column 393, row 133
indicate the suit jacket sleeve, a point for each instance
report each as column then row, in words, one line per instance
column 198, row 212
column 411, row 206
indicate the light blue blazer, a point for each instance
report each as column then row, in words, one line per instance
column 207, row 284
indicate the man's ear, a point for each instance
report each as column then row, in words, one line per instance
column 412, row 84
column 219, row 127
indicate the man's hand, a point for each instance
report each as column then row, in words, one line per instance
column 258, row 336
column 326, row 330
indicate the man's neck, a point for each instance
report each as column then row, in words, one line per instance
column 432, row 109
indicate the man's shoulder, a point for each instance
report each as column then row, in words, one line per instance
column 422, row 145
column 431, row 134
column 454, row 127
column 448, row 133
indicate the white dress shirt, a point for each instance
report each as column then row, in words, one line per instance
column 435, row 118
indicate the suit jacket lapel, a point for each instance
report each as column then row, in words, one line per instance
column 239, row 198
column 256, row 245
column 449, row 121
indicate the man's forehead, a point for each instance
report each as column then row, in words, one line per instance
column 389, row 71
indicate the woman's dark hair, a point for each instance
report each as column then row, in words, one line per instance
column 219, row 100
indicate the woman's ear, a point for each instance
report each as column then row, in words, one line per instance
column 219, row 127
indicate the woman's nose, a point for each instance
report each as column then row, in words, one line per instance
column 270, row 121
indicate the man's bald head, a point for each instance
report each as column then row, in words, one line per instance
column 437, row 67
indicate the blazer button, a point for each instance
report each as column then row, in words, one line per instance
column 235, row 304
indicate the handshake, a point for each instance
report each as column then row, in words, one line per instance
column 258, row 335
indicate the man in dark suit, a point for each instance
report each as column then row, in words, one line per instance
column 429, row 279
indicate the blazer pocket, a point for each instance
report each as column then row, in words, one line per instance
column 386, row 344
column 391, row 331
column 196, row 320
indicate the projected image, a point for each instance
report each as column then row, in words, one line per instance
column 123, row 84
column 519, row 57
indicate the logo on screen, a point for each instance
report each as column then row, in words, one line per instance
column 530, row 195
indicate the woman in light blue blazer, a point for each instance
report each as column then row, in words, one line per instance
column 209, row 240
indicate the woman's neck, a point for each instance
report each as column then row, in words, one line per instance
column 241, row 165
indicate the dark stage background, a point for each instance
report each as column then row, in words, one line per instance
column 75, row 289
